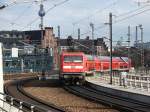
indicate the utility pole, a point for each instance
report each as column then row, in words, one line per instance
column 58, row 32
column 142, row 47
column 58, row 45
column 129, row 36
column 136, row 36
column 92, row 26
column 78, row 33
column 93, row 48
column 58, row 40
column 110, row 34
column 110, row 41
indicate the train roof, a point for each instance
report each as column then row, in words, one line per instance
column 107, row 58
column 101, row 58
column 72, row 53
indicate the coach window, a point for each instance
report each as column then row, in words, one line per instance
column 73, row 59
column 121, row 66
column 125, row 67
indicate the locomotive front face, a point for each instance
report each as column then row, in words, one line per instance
column 73, row 64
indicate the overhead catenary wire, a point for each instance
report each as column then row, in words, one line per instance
column 97, row 28
column 92, row 15
column 11, row 3
column 25, row 1
column 54, row 6
column 18, row 2
column 99, row 11
column 23, row 12
column 133, row 15
column 132, row 11
column 10, row 22
column 122, row 19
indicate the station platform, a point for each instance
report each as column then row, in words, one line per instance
column 106, row 83
column 137, row 90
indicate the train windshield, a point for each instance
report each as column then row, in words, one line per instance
column 73, row 59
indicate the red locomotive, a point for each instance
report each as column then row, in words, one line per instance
column 74, row 66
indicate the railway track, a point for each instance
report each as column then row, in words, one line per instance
column 123, row 104
column 54, row 93
column 14, row 89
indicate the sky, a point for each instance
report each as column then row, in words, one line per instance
column 74, row 14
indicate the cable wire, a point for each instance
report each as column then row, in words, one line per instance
column 91, row 15
column 33, row 21
column 22, row 14
column 122, row 19
column 133, row 15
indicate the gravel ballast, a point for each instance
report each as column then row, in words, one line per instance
column 71, row 103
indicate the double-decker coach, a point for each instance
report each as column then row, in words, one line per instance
column 75, row 66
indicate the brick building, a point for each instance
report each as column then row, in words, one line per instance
column 50, row 42
column 84, row 45
column 24, row 39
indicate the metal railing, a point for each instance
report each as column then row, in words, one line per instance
column 137, row 82
column 7, row 104
column 10, row 104
column 134, row 81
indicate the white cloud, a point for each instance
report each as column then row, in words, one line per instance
column 85, row 11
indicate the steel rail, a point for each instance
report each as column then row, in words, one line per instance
column 20, row 89
column 124, row 104
column 14, row 88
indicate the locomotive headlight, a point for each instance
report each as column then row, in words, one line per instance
column 72, row 67
column 79, row 67
column 66, row 67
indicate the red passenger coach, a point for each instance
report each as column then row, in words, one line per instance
column 118, row 63
column 72, row 66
